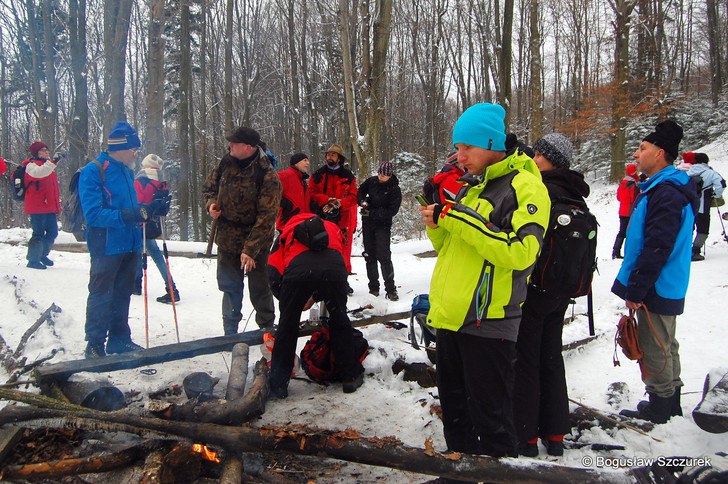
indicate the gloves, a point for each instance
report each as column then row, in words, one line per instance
column 334, row 202
column 430, row 191
column 364, row 212
column 160, row 203
column 130, row 216
column 60, row 156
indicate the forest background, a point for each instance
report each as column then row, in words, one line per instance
column 385, row 78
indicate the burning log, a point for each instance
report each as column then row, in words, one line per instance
column 348, row 446
column 152, row 472
column 182, row 464
column 238, row 372
column 66, row 467
column 231, row 412
column 232, row 472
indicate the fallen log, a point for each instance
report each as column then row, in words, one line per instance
column 46, row 316
column 607, row 421
column 104, row 462
column 230, row 412
column 152, row 470
column 348, row 445
column 178, row 351
column 711, row 414
column 232, row 472
column 238, row 372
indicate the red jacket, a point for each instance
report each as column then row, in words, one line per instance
column 444, row 186
column 295, row 198
column 627, row 195
column 146, row 188
column 42, row 194
column 327, row 183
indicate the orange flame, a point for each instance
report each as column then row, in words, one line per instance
column 206, row 452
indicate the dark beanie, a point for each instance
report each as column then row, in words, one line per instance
column 244, row 135
column 556, row 148
column 296, row 157
column 667, row 135
column 385, row 168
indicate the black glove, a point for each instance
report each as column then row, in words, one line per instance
column 160, row 203
column 364, row 211
column 60, row 156
column 130, row 216
column 430, row 191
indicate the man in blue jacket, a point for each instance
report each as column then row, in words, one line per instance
column 113, row 236
column 656, row 267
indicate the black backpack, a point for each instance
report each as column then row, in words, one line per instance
column 72, row 219
column 568, row 257
column 17, row 183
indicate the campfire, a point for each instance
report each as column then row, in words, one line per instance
column 206, row 452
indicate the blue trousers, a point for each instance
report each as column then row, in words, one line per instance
column 109, row 292
column 45, row 231
column 157, row 257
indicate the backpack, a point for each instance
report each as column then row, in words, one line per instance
column 568, row 257
column 426, row 333
column 317, row 360
column 312, row 233
column 72, row 219
column 17, row 183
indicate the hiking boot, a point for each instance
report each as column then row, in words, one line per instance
column 676, row 408
column 374, row 292
column 658, row 410
column 34, row 264
column 137, row 290
column 279, row 392
column 116, row 346
column 349, row 289
column 617, row 255
column 94, row 351
column 554, row 447
column 46, row 261
column 528, row 450
column 350, row 386
column 697, row 256
column 229, row 328
column 167, row 298
column 392, row 296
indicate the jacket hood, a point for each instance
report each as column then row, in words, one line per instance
column 678, row 178
column 568, row 181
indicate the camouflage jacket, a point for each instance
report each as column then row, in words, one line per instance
column 247, row 223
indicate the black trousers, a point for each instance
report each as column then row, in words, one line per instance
column 540, row 400
column 702, row 222
column 293, row 297
column 475, row 384
column 377, row 240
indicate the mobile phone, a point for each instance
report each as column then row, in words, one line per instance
column 421, row 198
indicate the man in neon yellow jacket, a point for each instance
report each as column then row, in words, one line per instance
column 487, row 243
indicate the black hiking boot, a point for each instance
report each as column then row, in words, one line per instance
column 392, row 296
column 36, row 264
column 350, row 386
column 374, row 292
column 554, row 447
column 167, row 298
column 528, row 450
column 676, row 408
column 46, row 261
column 116, row 346
column 94, row 351
column 697, row 256
column 657, row 410
column 349, row 289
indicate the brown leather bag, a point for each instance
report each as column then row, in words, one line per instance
column 627, row 339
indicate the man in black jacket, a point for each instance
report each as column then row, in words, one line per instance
column 379, row 198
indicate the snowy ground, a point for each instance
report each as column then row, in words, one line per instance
column 385, row 404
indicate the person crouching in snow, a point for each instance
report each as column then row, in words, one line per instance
column 627, row 192
column 149, row 186
column 309, row 259
column 379, row 198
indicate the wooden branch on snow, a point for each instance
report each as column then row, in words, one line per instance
column 238, row 372
column 347, row 445
column 230, row 412
column 46, row 316
column 104, row 462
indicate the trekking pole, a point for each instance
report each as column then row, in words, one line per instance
column 170, row 283
column 144, row 272
column 720, row 217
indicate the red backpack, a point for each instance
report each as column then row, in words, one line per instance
column 317, row 360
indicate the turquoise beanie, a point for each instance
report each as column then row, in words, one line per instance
column 481, row 125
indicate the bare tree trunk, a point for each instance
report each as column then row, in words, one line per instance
column 51, row 113
column 36, row 74
column 535, row 88
column 116, row 35
column 295, row 89
column 154, row 133
column 228, row 93
column 183, row 120
column 78, row 133
column 505, row 59
column 716, row 75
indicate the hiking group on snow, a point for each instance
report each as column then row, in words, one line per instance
column 514, row 237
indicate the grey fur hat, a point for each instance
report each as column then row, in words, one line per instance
column 556, row 148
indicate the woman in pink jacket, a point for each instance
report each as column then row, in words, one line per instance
column 42, row 204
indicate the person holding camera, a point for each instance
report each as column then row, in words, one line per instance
column 379, row 198
column 42, row 203
column 114, row 237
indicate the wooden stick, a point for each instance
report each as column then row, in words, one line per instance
column 238, row 372
column 346, row 445
column 615, row 421
column 46, row 316
column 103, row 462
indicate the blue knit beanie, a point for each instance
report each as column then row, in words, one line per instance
column 123, row 137
column 481, row 125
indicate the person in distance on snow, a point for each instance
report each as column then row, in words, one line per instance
column 379, row 198
column 150, row 186
column 656, row 267
column 42, row 203
column 310, row 258
column 540, row 399
column 295, row 196
column 627, row 192
column 114, row 237
column 486, row 252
